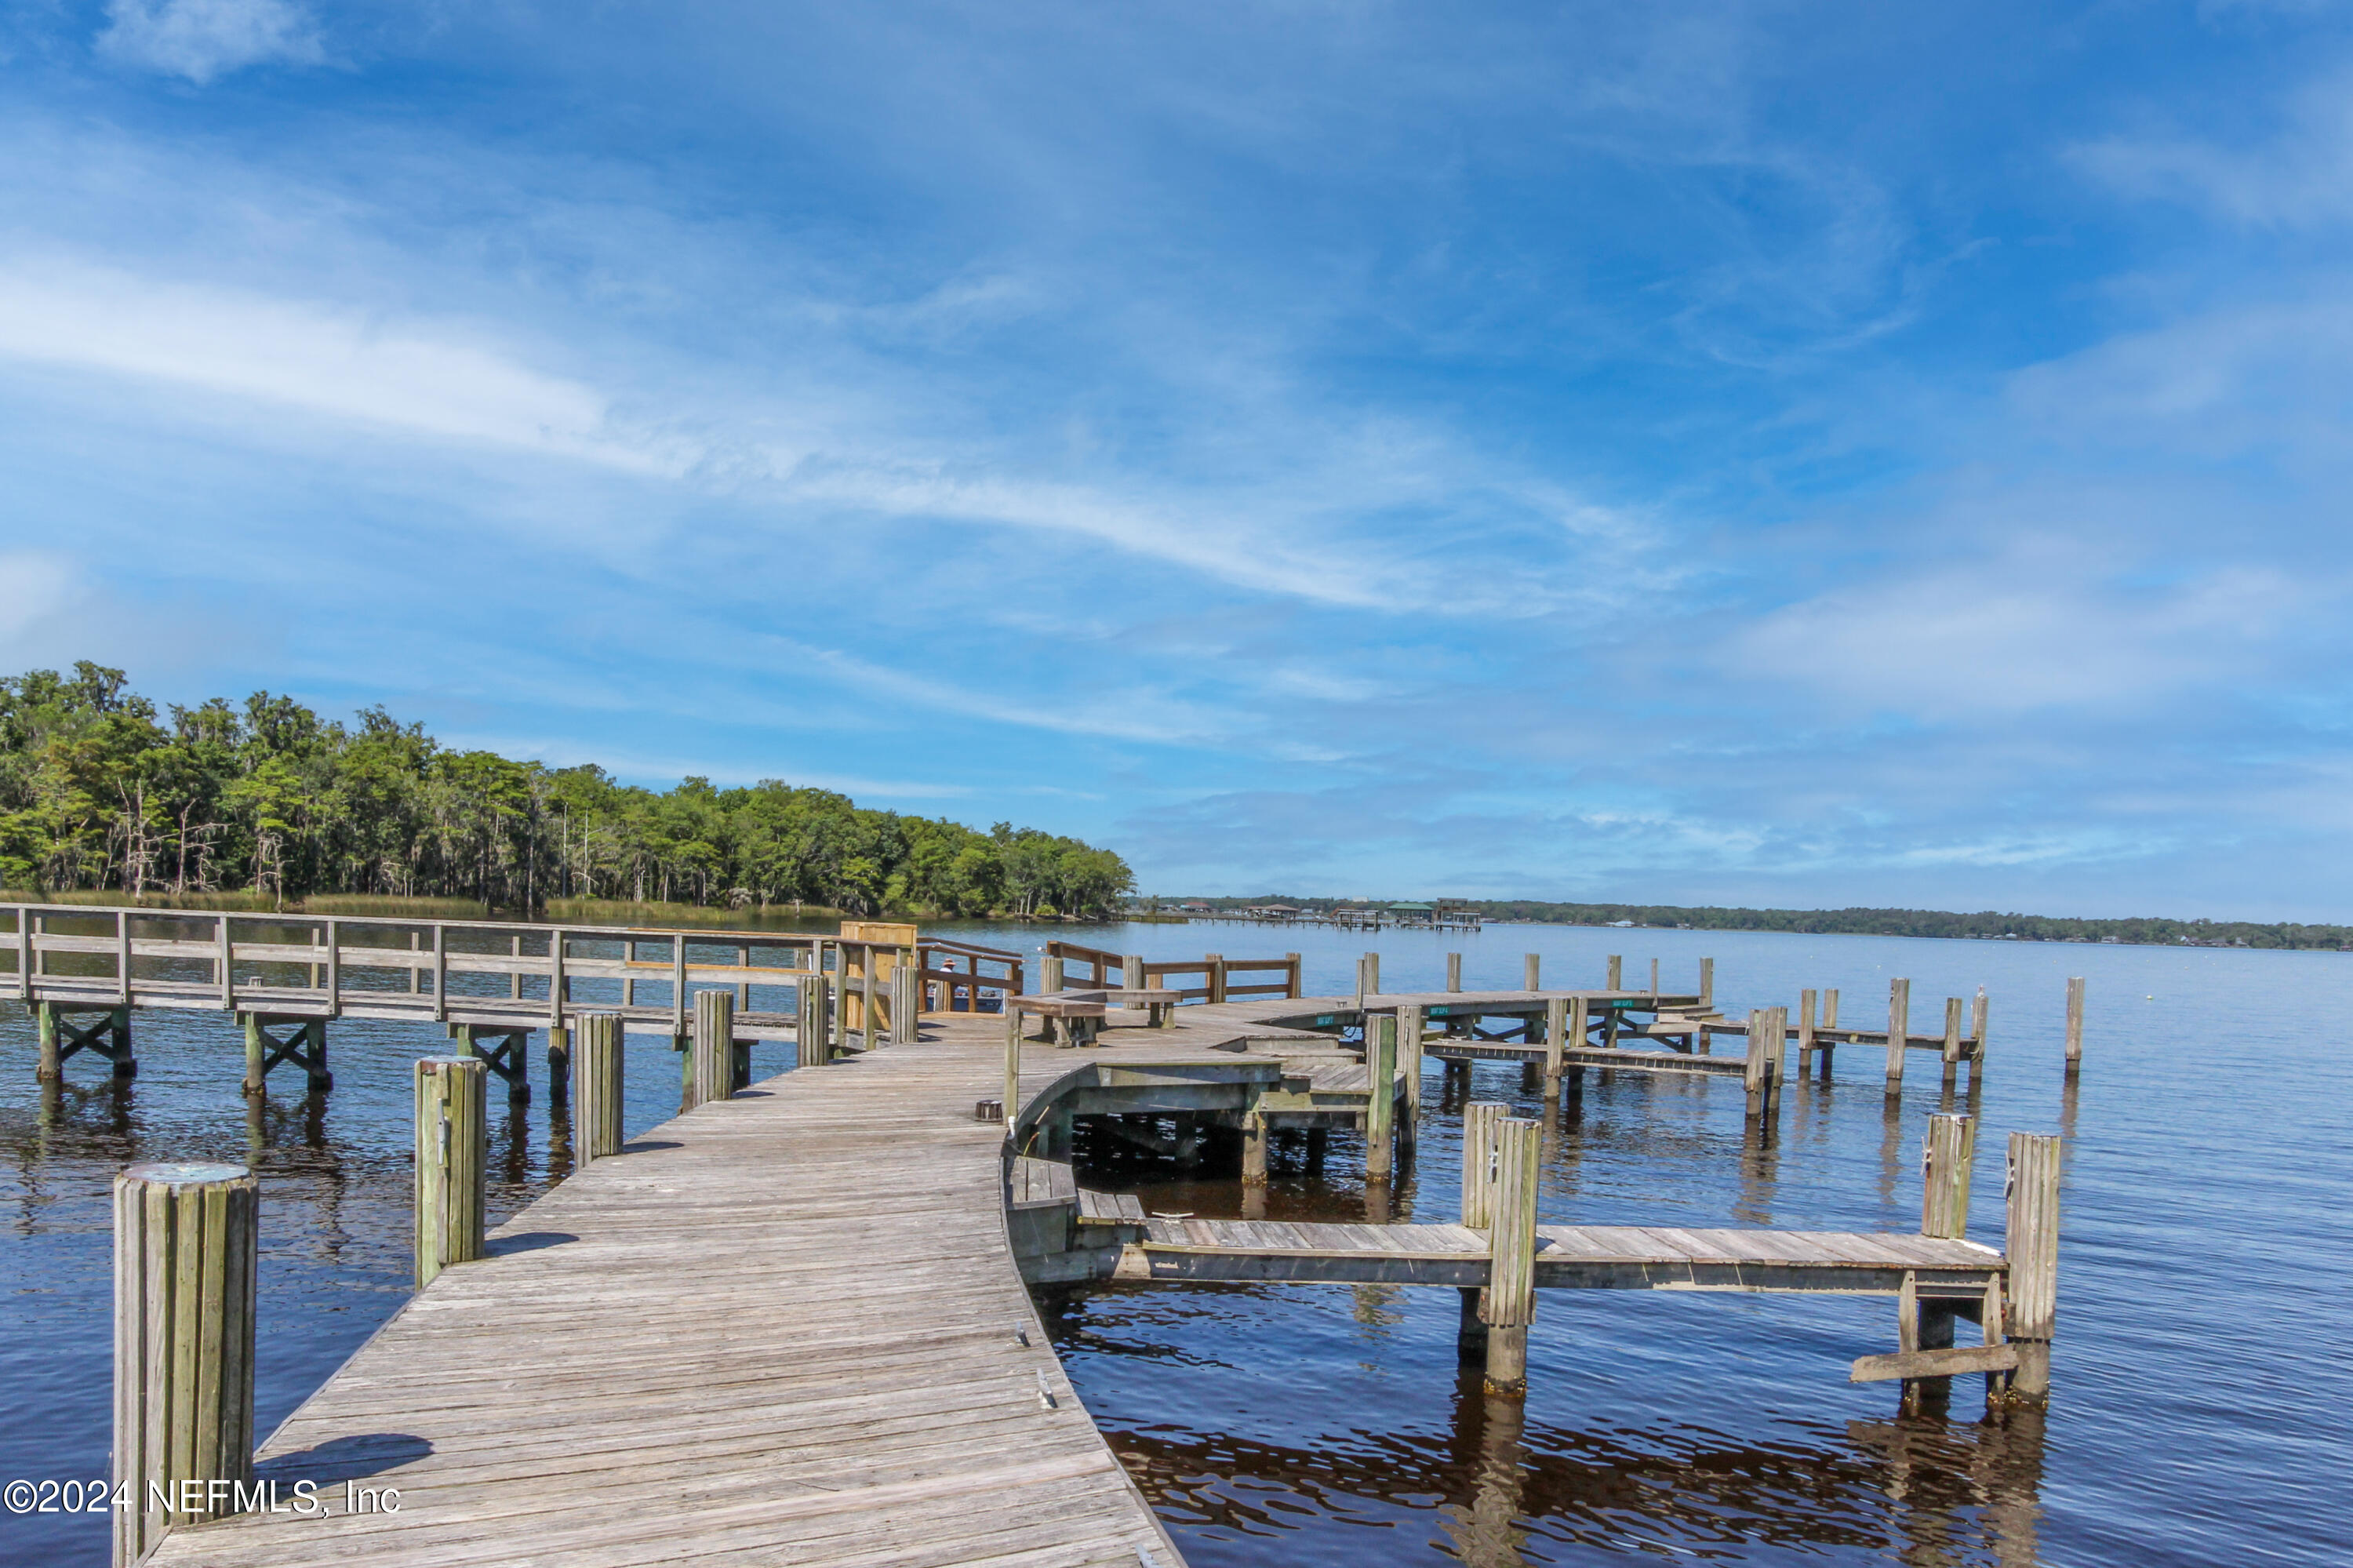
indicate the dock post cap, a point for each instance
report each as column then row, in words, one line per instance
column 184, row 1172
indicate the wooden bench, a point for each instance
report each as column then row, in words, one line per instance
column 1157, row 1003
column 1075, row 1021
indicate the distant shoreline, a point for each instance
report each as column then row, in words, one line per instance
column 1986, row 925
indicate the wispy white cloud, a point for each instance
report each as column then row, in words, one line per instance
column 201, row 40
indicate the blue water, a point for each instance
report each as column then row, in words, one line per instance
column 2201, row 1385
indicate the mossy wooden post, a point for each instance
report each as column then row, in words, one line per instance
column 598, row 1059
column 714, row 1051
column 2074, row 1024
column 2030, row 1318
column 1555, row 1042
column 1614, row 977
column 183, row 1290
column 1531, row 972
column 1510, row 1303
column 452, row 1147
column 1899, row 1030
column 1409, row 1031
column 1979, row 1007
column 1454, row 971
column 1805, row 1005
column 52, row 1068
column 1380, row 1104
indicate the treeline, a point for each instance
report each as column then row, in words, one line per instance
column 1987, row 924
column 99, row 791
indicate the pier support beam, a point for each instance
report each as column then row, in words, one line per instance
column 452, row 1147
column 1470, row 1333
column 1945, row 1154
column 1509, row 1304
column 1830, row 1021
column 108, row 1036
column 503, row 1055
column 1806, row 1008
column 305, row 1047
column 184, row 1289
column 598, row 1067
column 1409, row 1032
column 559, row 1064
column 1556, row 1038
column 1253, row 1146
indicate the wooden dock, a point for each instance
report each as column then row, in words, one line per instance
column 783, row 1327
column 792, row 1326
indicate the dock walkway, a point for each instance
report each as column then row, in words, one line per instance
column 783, row 1327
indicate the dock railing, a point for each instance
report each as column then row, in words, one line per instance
column 954, row 979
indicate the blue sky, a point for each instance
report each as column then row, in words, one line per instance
column 1797, row 454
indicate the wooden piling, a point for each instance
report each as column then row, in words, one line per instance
column 1945, row 1156
column 1899, row 1030
column 1509, row 1304
column 1655, row 979
column 1952, row 1049
column 598, row 1061
column 1050, row 974
column 1706, row 983
column 1216, row 964
column 2074, row 1024
column 1555, row 1042
column 1454, row 971
column 1131, row 972
column 714, row 1051
column 1253, row 1145
column 1012, row 1064
column 1479, row 1120
column 1767, row 1029
column 1372, row 974
column 559, row 1064
column 257, row 1059
column 51, row 1066
column 1291, row 989
column 452, row 1145
column 1410, row 1026
column 1805, row 1004
column 1978, row 1010
column 1380, row 1108
column 184, row 1314
column 813, row 1022
column 2030, row 1315
column 1830, row 1021
column 1615, row 973
column 1531, row 971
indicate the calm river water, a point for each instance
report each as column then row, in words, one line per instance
column 2202, row 1411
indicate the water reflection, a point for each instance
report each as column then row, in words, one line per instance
column 1496, row 1486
